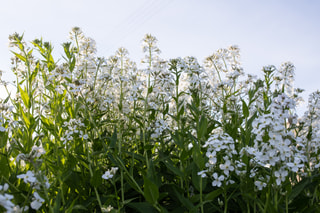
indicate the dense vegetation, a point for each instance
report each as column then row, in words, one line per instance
column 90, row 134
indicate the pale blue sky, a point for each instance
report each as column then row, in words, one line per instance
column 267, row 32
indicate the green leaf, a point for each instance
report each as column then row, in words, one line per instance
column 297, row 189
column 78, row 206
column 136, row 156
column 57, row 202
column 181, row 111
column 7, row 99
column 212, row 195
column 173, row 169
column 22, row 58
column 66, row 48
column 151, row 191
column 4, row 165
column 138, row 119
column 179, row 195
column 25, row 97
column 25, row 117
column 73, row 63
column 71, row 206
column 196, row 178
column 245, row 109
column 163, row 210
column 47, row 123
column 152, row 175
column 3, row 137
column 113, row 139
column 142, row 207
column 177, row 139
column 198, row 156
column 35, row 72
column 150, row 89
column 202, row 128
column 166, row 110
column 130, row 179
column 96, row 180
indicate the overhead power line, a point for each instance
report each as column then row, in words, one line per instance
column 133, row 22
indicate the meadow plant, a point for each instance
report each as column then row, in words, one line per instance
column 94, row 134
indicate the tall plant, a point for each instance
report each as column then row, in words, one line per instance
column 93, row 134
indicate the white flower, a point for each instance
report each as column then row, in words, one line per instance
column 213, row 160
column 226, row 167
column 217, row 180
column 203, row 173
column 4, row 187
column 5, row 201
column 18, row 209
column 253, row 172
column 109, row 174
column 37, row 201
column 108, row 209
column 114, row 170
column 220, row 145
column 259, row 184
column 281, row 176
column 85, row 137
column 295, row 165
column 230, row 182
column 28, row 177
column 37, row 151
column 21, row 156
column 43, row 180
column 47, row 182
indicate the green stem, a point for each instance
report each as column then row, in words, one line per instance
column 116, row 193
column 145, row 153
column 276, row 200
column 91, row 173
column 287, row 208
column 122, row 188
column 47, row 196
column 267, row 201
column 13, row 186
column 201, row 200
column 98, row 197
column 130, row 177
column 225, row 200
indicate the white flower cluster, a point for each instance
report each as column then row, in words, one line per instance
column 221, row 163
column 74, row 127
column 35, row 180
column 311, row 119
column 160, row 126
column 36, row 152
column 110, row 173
column 285, row 78
column 31, row 179
column 5, row 111
column 274, row 146
column 5, row 198
column 108, row 209
column 6, row 201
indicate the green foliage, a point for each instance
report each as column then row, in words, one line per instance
column 101, row 135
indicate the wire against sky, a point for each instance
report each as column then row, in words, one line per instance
column 135, row 20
